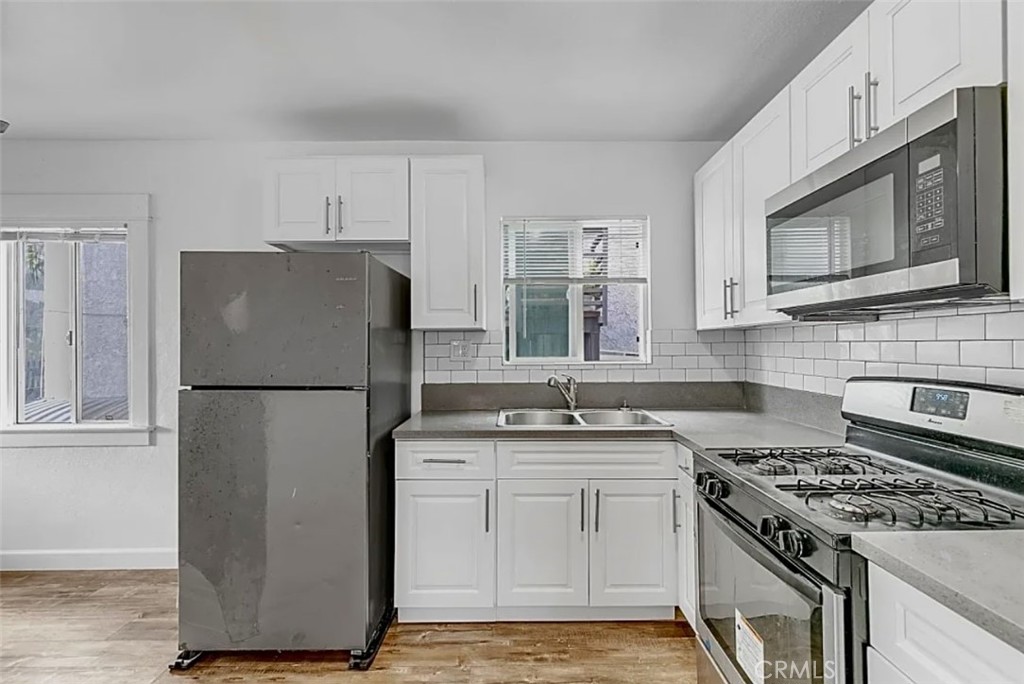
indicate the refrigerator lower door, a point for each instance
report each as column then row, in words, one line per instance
column 272, row 518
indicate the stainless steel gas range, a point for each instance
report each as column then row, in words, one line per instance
column 782, row 597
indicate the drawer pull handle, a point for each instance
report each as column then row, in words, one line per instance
column 452, row 461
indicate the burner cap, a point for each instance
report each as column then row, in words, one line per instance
column 774, row 466
column 852, row 507
column 832, row 466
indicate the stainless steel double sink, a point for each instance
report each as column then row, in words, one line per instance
column 581, row 418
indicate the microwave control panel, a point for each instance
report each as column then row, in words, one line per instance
column 929, row 209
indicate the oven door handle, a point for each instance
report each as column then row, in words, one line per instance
column 768, row 558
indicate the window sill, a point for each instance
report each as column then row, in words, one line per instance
column 19, row 436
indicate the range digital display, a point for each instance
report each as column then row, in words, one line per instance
column 940, row 402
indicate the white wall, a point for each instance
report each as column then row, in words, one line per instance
column 117, row 507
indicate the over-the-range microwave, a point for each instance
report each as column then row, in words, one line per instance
column 913, row 216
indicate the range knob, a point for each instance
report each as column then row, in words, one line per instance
column 771, row 525
column 712, row 486
column 794, row 543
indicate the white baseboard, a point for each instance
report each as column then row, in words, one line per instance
column 537, row 614
column 89, row 559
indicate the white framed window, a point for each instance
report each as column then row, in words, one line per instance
column 576, row 290
column 74, row 307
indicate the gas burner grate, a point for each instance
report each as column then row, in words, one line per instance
column 918, row 502
column 796, row 461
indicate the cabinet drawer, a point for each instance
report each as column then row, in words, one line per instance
column 929, row 642
column 456, row 460
column 684, row 458
column 594, row 460
column 881, row 671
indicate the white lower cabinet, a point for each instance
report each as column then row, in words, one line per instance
column 633, row 544
column 542, row 543
column 920, row 641
column 529, row 547
column 444, row 544
column 686, row 547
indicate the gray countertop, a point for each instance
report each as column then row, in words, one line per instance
column 975, row 573
column 696, row 429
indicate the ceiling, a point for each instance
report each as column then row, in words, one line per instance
column 382, row 70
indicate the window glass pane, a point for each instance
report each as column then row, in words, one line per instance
column 103, row 296
column 541, row 314
column 612, row 316
column 47, row 358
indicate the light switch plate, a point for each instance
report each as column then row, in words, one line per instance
column 460, row 350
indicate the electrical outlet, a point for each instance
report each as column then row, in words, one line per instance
column 460, row 350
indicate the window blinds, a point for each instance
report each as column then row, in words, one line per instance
column 575, row 251
column 810, row 248
column 64, row 234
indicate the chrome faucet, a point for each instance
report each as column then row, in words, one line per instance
column 567, row 388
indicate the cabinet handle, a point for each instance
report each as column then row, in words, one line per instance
column 675, row 513
column 475, row 307
column 583, row 504
column 853, row 97
column 338, row 222
column 597, row 511
column 487, row 510
column 870, row 84
column 725, row 298
column 454, row 461
column 732, row 297
column 327, row 215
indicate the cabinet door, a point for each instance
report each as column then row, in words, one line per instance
column 447, row 234
column 373, row 198
column 444, row 555
column 298, row 200
column 761, row 163
column 686, row 545
column 713, row 225
column 632, row 543
column 922, row 49
column 542, row 543
column 821, row 103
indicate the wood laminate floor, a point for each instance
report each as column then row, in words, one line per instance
column 120, row 627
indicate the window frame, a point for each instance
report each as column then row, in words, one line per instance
column 509, row 352
column 78, row 211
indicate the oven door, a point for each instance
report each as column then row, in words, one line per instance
column 761, row 618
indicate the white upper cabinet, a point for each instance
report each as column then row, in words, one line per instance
column 713, row 221
column 447, row 234
column 373, row 199
column 922, row 49
column 542, row 543
column 827, row 101
column 298, row 199
column 342, row 199
column 633, row 543
column 761, row 164
column 444, row 544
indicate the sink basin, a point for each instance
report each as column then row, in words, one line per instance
column 585, row 418
column 619, row 417
column 537, row 417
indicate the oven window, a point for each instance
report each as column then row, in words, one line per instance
column 856, row 226
column 780, row 635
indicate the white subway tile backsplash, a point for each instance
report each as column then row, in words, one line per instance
column 897, row 352
column 848, row 369
column 620, row 375
column 865, row 351
column 515, row 376
column 881, row 369
column 708, row 336
column 430, row 337
column 941, row 353
column 989, row 353
column 850, row 332
column 488, row 376
column 803, row 366
column 661, row 336
column 1012, row 377
column 880, row 330
column 684, row 335
column 725, row 348
column 726, row 374
column 916, row 329
column 698, row 375
column 794, row 349
column 646, row 375
column 1018, row 354
column 1005, row 326
column 804, row 333
column 918, row 370
column 826, row 368
column 965, row 373
column 783, row 334
column 597, row 375
column 684, row 361
column 961, row 328
column 825, row 332
column 794, row 381
column 835, row 386
column 837, row 350
column 672, row 375
column 446, row 337
column 463, row 376
column 733, row 335
column 814, row 383
column 814, row 350
column 441, row 377
column 784, row 364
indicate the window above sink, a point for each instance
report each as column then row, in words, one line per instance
column 576, row 290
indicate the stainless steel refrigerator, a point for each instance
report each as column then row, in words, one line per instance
column 294, row 370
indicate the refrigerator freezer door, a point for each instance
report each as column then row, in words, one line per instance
column 272, row 527
column 263, row 319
